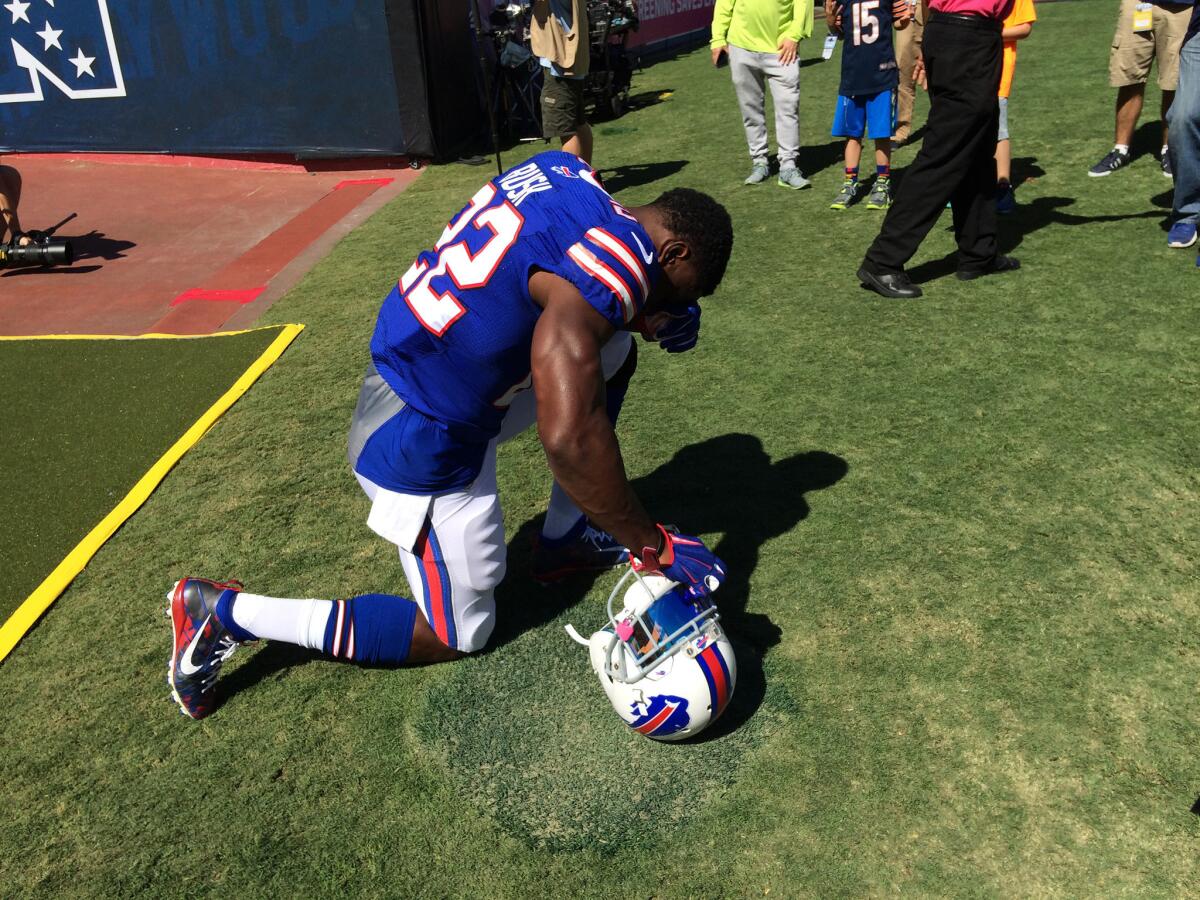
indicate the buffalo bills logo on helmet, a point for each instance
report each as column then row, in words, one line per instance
column 661, row 716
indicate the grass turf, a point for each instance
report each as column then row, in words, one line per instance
column 89, row 418
column 960, row 532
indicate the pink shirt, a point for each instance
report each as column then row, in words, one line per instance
column 995, row 9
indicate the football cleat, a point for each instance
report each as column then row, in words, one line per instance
column 846, row 195
column 1114, row 160
column 201, row 643
column 582, row 549
column 758, row 174
column 791, row 177
column 881, row 194
column 1181, row 235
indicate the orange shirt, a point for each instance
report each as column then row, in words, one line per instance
column 1021, row 14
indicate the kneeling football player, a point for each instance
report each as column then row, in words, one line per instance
column 537, row 284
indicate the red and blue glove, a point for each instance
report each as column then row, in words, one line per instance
column 680, row 331
column 684, row 559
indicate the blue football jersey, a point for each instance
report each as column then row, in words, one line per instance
column 453, row 338
column 868, row 54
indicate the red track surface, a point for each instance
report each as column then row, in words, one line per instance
column 180, row 248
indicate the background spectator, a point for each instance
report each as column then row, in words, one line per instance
column 760, row 38
column 1145, row 31
column 908, row 48
column 1017, row 27
column 10, row 198
column 866, row 103
column 559, row 37
column 1185, row 139
column 961, row 55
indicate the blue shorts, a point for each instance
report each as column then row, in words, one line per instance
column 872, row 114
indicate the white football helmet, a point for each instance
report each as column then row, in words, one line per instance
column 665, row 662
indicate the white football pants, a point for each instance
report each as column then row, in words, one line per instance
column 452, row 545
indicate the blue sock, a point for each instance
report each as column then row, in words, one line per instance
column 224, row 614
column 883, row 171
column 852, row 174
column 375, row 629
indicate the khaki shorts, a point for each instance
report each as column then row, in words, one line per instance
column 1132, row 53
column 562, row 106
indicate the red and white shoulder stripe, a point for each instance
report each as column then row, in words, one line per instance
column 617, row 266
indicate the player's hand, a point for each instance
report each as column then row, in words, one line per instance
column 902, row 11
column 919, row 75
column 716, row 55
column 787, row 51
column 684, row 559
column 677, row 332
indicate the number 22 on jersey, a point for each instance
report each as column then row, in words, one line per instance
column 467, row 270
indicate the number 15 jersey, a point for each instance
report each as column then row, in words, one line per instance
column 453, row 338
column 868, row 54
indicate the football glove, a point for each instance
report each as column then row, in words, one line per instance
column 684, row 559
column 680, row 331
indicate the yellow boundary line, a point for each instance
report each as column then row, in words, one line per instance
column 19, row 623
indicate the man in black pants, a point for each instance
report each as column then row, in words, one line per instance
column 962, row 62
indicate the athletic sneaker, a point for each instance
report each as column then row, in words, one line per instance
column 582, row 549
column 791, row 177
column 1182, row 234
column 758, row 174
column 201, row 643
column 1006, row 198
column 881, row 194
column 1115, row 160
column 1166, row 165
column 846, row 195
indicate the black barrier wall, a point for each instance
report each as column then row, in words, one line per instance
column 304, row 77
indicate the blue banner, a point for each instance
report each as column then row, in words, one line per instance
column 307, row 77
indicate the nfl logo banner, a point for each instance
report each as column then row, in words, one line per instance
column 67, row 44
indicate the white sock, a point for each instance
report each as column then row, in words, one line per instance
column 300, row 622
column 1122, row 148
column 1164, row 150
column 561, row 515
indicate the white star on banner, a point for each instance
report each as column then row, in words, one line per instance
column 17, row 8
column 83, row 64
column 50, row 36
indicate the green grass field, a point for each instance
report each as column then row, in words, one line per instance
column 963, row 554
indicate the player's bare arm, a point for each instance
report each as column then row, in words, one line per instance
column 574, row 427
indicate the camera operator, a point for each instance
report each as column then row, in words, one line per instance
column 559, row 36
column 10, row 197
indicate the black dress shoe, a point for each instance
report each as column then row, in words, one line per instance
column 896, row 286
column 997, row 265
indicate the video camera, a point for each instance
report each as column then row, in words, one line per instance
column 42, row 250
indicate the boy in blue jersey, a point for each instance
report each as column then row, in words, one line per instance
column 522, row 311
column 867, row 95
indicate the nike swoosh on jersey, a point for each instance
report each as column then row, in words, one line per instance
column 647, row 255
column 185, row 662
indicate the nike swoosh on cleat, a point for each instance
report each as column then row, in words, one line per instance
column 646, row 254
column 185, row 662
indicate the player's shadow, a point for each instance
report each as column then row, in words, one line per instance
column 619, row 178
column 726, row 485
